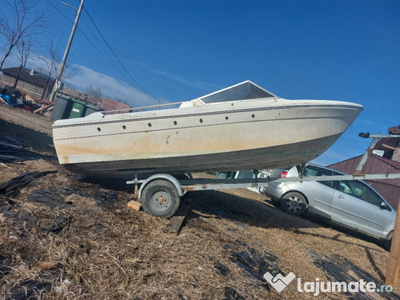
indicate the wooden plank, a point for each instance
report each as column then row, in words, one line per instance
column 176, row 221
column 43, row 107
column 388, row 146
column 135, row 205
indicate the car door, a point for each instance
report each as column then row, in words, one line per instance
column 319, row 193
column 357, row 206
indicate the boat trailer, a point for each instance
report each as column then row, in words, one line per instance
column 160, row 194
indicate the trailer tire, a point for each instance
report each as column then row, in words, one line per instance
column 160, row 198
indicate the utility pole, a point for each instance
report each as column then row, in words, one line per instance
column 71, row 37
column 393, row 268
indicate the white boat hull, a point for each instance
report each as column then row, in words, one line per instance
column 236, row 135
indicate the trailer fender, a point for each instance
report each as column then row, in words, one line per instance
column 168, row 177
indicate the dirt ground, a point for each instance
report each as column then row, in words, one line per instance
column 62, row 237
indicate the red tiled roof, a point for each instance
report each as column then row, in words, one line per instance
column 110, row 104
column 93, row 100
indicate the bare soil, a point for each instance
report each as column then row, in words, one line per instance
column 67, row 238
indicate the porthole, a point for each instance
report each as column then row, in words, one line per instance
column 149, row 124
column 201, row 120
column 253, row 116
column 175, row 123
column 226, row 118
column 98, row 129
column 123, row 127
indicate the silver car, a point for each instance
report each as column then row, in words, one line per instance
column 349, row 203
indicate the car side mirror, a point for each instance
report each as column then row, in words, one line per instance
column 384, row 205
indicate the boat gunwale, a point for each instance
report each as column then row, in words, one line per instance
column 197, row 113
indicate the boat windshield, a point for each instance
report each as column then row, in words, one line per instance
column 242, row 91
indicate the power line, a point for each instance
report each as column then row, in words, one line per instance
column 105, row 54
column 126, row 73
column 115, row 56
column 52, row 4
column 161, row 75
column 116, row 63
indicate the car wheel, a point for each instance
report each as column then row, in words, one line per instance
column 294, row 203
column 388, row 242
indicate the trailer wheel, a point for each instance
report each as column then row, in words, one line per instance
column 160, row 198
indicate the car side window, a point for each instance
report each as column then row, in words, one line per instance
column 345, row 188
column 361, row 191
column 313, row 171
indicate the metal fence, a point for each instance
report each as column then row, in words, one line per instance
column 13, row 60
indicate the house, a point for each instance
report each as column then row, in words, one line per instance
column 384, row 158
column 72, row 92
column 30, row 82
column 113, row 105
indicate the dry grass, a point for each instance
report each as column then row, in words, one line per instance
column 93, row 247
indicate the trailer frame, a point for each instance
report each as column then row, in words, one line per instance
column 163, row 196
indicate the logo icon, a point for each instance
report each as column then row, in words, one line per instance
column 279, row 282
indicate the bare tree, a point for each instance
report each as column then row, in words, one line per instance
column 50, row 64
column 94, row 92
column 23, row 51
column 69, row 90
column 22, row 20
column 50, row 60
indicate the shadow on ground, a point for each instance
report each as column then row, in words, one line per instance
column 27, row 138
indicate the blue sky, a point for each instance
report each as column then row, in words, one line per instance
column 179, row 50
